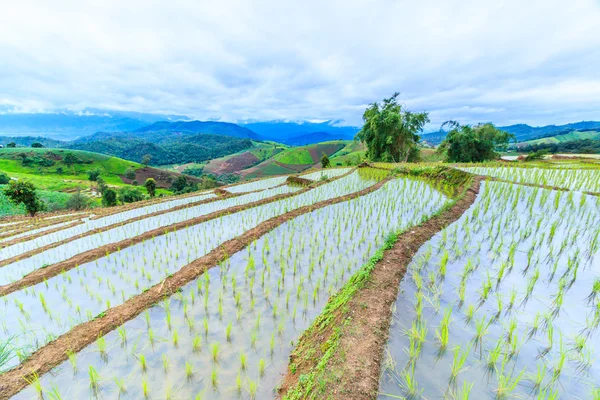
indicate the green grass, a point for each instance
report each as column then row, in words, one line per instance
column 567, row 137
column 294, row 156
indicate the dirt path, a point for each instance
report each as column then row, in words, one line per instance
column 340, row 355
column 52, row 354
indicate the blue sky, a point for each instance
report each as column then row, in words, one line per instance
column 534, row 61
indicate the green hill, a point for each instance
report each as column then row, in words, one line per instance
column 566, row 137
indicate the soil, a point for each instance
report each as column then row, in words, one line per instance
column 233, row 164
column 365, row 320
column 299, row 181
column 55, row 352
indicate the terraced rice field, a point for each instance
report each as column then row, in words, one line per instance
column 269, row 290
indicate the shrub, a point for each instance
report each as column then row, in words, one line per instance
column 150, row 185
column 130, row 195
column 130, row 173
column 93, row 174
column 109, row 197
column 37, row 145
column 78, row 201
column 4, row 179
column 24, row 192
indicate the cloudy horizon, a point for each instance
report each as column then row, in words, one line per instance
column 516, row 62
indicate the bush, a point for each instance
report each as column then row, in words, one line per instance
column 109, row 197
column 78, row 201
column 60, row 170
column 37, row 145
column 130, row 173
column 130, row 195
column 24, row 192
column 54, row 206
column 4, row 179
column 150, row 185
column 93, row 174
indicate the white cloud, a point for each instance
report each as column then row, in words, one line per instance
column 506, row 62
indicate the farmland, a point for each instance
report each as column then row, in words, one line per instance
column 389, row 281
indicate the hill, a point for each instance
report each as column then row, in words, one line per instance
column 296, row 133
column 194, row 127
column 166, row 148
column 68, row 125
column 569, row 136
column 27, row 141
column 524, row 132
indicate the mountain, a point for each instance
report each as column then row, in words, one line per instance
column 524, row 132
column 191, row 127
column 311, row 138
column 27, row 141
column 288, row 132
column 174, row 149
column 68, row 125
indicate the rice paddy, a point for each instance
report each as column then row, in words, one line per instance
column 502, row 303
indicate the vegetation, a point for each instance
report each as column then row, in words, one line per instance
column 325, row 163
column 109, row 197
column 4, row 179
column 585, row 146
column 78, row 201
column 130, row 195
column 22, row 192
column 150, row 185
column 390, row 133
column 465, row 143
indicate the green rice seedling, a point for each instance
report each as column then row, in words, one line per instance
column 443, row 264
column 175, row 338
column 243, row 361
column 145, row 388
column 94, row 379
column 73, row 360
column 458, row 363
column 165, row 362
column 560, row 362
column 535, row 325
column 120, row 383
column 214, row 377
column 228, row 332
column 189, row 370
column 272, row 344
column 122, row 334
column 238, row 382
column 261, row 367
column 196, row 343
column 214, row 351
column 252, row 389
column 493, row 356
column 54, row 394
column 506, row 383
column 143, row 363
column 537, row 380
column 33, row 380
column 481, row 328
column 470, row 314
column 443, row 331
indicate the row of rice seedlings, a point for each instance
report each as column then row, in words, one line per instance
column 92, row 224
column 268, row 294
column 18, row 269
column 584, row 180
column 512, row 254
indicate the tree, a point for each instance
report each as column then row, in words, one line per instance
column 465, row 143
column 93, row 174
column 109, row 197
column 130, row 195
column 11, row 144
column 101, row 184
column 150, row 185
column 70, row 159
column 325, row 163
column 391, row 133
column 130, row 173
column 37, row 145
column 146, row 159
column 77, row 201
column 4, row 179
column 24, row 192
column 179, row 184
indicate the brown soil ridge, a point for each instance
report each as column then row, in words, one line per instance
column 365, row 320
column 299, row 180
column 99, row 230
column 55, row 352
column 41, row 274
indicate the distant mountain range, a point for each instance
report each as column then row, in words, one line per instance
column 524, row 132
column 301, row 133
column 69, row 125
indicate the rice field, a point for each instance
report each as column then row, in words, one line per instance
column 504, row 302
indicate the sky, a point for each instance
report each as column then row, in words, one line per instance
column 512, row 61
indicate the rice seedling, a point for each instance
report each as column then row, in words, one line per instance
column 458, row 363
column 214, row 351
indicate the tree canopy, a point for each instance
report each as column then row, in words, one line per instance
column 390, row 132
column 150, row 185
column 465, row 143
column 24, row 192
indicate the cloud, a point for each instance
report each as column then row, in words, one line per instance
column 506, row 62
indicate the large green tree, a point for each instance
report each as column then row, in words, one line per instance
column 390, row 132
column 24, row 192
column 482, row 142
